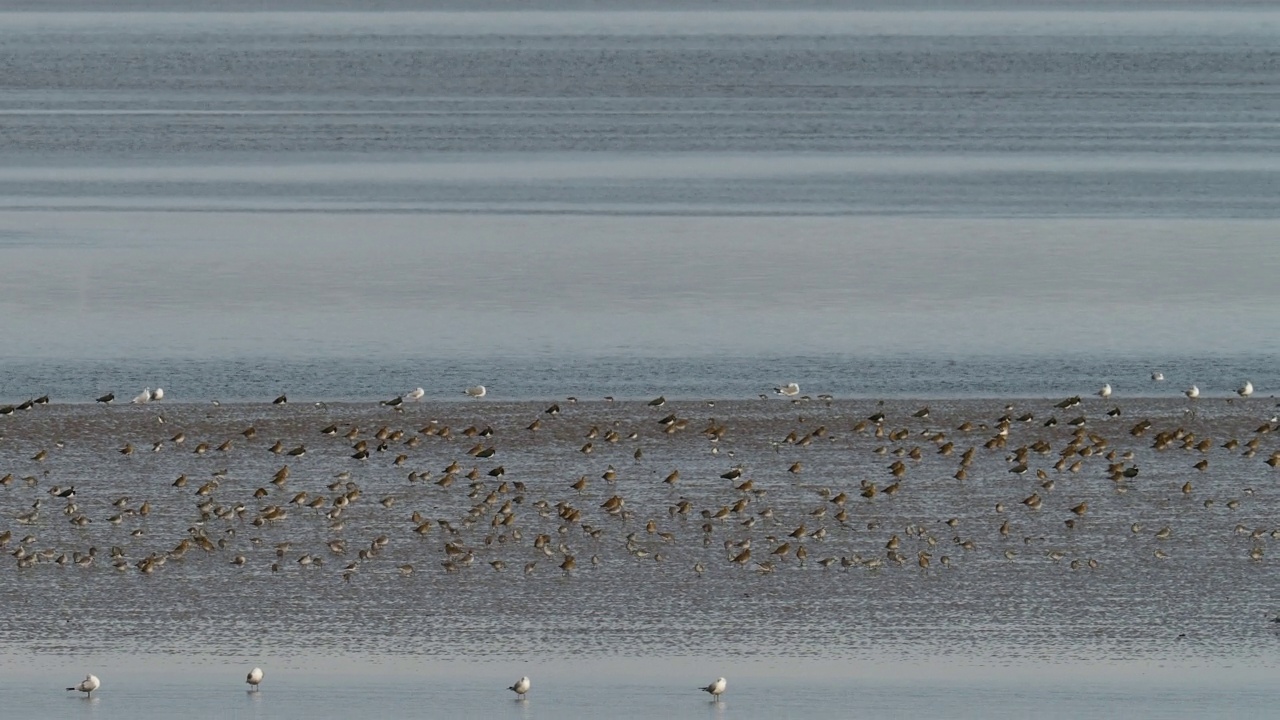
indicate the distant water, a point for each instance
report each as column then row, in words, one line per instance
column 877, row 204
column 347, row 204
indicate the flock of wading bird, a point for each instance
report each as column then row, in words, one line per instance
column 536, row 519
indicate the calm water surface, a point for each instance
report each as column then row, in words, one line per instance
column 951, row 207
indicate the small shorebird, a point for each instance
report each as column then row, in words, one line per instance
column 789, row 390
column 521, row 687
column 87, row 686
column 716, row 689
column 254, row 678
column 477, row 391
column 106, row 399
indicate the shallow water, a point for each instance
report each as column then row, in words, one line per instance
column 953, row 209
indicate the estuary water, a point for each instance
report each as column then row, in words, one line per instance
column 346, row 204
column 965, row 209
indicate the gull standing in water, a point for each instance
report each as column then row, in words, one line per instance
column 254, row 678
column 716, row 689
column 1245, row 390
column 790, row 390
column 414, row 395
column 478, row 391
column 521, row 687
column 87, row 686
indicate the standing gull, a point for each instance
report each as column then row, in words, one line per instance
column 157, row 395
column 1192, row 392
column 790, row 390
column 254, row 678
column 87, row 686
column 1105, row 391
column 1245, row 390
column 414, row 395
column 716, row 689
column 521, row 687
column 478, row 391
column 142, row 398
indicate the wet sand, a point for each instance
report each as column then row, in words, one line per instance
column 925, row 566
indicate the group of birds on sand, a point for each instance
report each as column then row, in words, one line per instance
column 520, row 687
column 799, row 484
column 790, row 390
column 767, row 515
column 146, row 396
column 149, row 396
column 503, row 500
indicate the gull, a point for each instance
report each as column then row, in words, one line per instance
column 1192, row 392
column 1157, row 376
column 521, row 687
column 716, row 688
column 414, row 395
column 157, row 394
column 790, row 390
column 1245, row 390
column 1105, row 391
column 478, row 391
column 254, row 677
column 87, row 686
column 142, row 398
